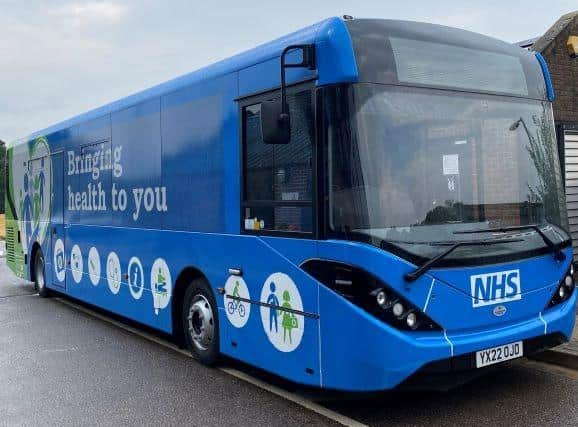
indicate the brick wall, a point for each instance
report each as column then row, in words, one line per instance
column 564, row 71
column 500, row 170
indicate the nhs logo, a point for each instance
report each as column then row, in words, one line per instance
column 495, row 288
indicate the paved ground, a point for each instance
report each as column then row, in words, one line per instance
column 572, row 346
column 61, row 366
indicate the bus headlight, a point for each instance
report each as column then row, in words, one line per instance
column 381, row 298
column 564, row 290
column 397, row 310
column 411, row 320
column 370, row 294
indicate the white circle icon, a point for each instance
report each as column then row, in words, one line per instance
column 76, row 263
column 161, row 284
column 94, row 266
column 283, row 326
column 135, row 278
column 237, row 311
column 59, row 261
column 113, row 272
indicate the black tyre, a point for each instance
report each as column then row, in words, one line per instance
column 200, row 322
column 39, row 275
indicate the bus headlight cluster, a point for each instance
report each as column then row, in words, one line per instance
column 565, row 288
column 371, row 294
column 399, row 313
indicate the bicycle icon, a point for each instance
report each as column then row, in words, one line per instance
column 236, row 305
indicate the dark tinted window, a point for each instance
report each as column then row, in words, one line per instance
column 278, row 178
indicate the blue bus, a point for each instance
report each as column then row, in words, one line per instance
column 360, row 205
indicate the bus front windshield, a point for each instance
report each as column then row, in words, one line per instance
column 413, row 168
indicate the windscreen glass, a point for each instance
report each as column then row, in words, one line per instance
column 413, row 168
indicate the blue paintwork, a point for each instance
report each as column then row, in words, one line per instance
column 546, row 71
column 183, row 135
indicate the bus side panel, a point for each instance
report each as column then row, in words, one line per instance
column 136, row 167
column 268, row 339
column 192, row 157
column 231, row 158
column 86, row 179
column 286, row 347
column 121, row 260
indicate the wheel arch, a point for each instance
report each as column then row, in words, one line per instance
column 35, row 248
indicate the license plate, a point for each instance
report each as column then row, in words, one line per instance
column 493, row 355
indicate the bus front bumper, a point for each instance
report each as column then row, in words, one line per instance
column 391, row 358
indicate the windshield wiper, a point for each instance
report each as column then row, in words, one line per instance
column 422, row 269
column 554, row 248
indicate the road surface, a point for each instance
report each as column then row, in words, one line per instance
column 61, row 364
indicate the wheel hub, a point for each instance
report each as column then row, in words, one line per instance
column 40, row 282
column 201, row 323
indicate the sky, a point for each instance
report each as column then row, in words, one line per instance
column 59, row 58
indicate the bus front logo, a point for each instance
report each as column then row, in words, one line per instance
column 495, row 288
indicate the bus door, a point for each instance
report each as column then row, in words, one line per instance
column 58, row 259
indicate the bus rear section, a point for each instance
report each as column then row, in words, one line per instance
column 389, row 211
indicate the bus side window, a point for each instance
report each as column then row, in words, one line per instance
column 278, row 178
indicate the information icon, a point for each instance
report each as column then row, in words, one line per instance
column 135, row 278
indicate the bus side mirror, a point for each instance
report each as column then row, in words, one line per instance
column 275, row 124
column 275, row 120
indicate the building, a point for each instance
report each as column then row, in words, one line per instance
column 559, row 46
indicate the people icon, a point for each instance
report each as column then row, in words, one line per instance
column 283, row 322
column 273, row 302
column 26, row 208
column 41, row 180
column 38, row 193
column 289, row 321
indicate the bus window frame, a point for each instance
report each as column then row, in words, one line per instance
column 256, row 98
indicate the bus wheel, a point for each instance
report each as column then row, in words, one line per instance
column 200, row 322
column 39, row 276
